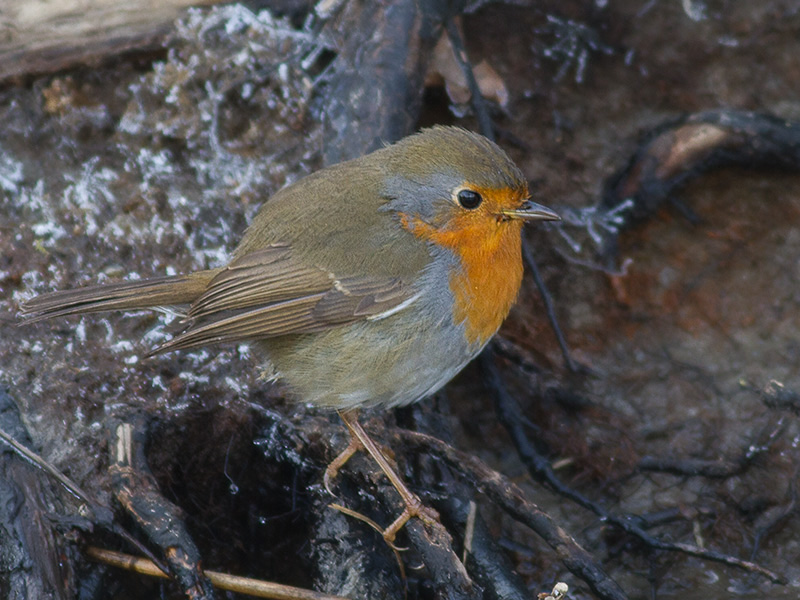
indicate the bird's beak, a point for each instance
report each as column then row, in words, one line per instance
column 530, row 211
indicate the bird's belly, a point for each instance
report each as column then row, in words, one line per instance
column 390, row 362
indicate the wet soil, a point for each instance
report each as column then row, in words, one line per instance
column 145, row 168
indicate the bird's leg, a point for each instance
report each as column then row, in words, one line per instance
column 337, row 463
column 361, row 440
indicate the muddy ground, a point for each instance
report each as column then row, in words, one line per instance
column 154, row 164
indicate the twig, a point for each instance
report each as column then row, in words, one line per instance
column 511, row 499
column 484, row 120
column 101, row 514
column 690, row 467
column 715, row 469
column 538, row 466
column 485, row 560
column 135, row 488
column 45, row 466
column 487, row 130
column 222, row 581
column 549, row 306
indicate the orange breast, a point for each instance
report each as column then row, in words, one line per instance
column 487, row 284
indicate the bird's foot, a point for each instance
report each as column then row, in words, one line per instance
column 414, row 507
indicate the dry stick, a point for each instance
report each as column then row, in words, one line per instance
column 508, row 496
column 489, row 566
column 487, row 129
column 46, row 37
column 539, row 468
column 45, row 466
column 223, row 581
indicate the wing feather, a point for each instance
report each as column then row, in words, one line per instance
column 269, row 293
column 260, row 277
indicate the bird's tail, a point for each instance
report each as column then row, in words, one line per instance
column 126, row 295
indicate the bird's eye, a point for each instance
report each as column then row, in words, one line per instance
column 469, row 199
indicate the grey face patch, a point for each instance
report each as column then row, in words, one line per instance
column 424, row 197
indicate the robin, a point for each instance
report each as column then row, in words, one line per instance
column 369, row 283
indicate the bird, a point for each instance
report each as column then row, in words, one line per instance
column 367, row 284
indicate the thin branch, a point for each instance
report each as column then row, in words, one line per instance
column 100, row 514
column 487, row 130
column 508, row 496
column 539, row 468
column 222, row 581
column 549, row 306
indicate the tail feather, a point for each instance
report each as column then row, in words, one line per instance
column 126, row 295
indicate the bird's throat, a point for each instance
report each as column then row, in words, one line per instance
column 486, row 284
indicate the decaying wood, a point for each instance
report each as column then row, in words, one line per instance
column 136, row 490
column 29, row 546
column 677, row 151
column 512, row 499
column 44, row 37
column 376, row 95
column 32, row 560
